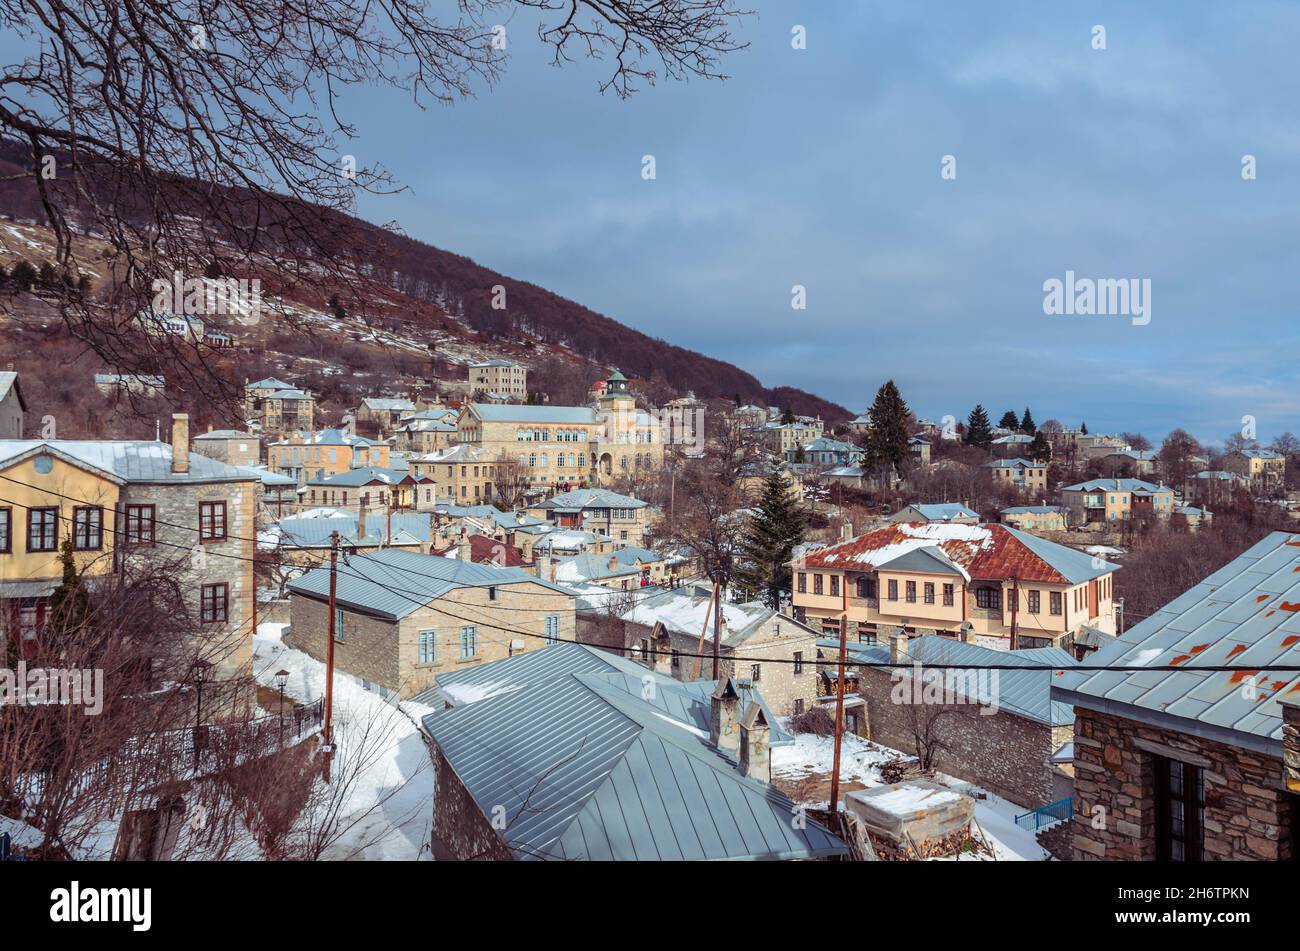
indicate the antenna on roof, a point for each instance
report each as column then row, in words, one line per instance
column 157, row 430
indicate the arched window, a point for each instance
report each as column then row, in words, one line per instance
column 544, row 460
column 573, row 460
column 523, row 461
column 582, row 460
column 622, row 462
column 537, row 435
column 650, row 435
column 532, row 460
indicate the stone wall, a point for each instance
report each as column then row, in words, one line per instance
column 1247, row 812
column 1004, row 753
column 461, row 831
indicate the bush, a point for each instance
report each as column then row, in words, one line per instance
column 814, row 720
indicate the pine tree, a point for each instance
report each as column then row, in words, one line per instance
column 978, row 431
column 1040, row 448
column 1027, row 423
column 1009, row 420
column 69, row 607
column 885, row 444
column 1083, row 429
column 787, row 417
column 768, row 542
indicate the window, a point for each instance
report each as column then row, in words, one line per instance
column 866, row 633
column 755, row 672
column 798, row 662
column 866, row 587
column 468, row 642
column 6, row 531
column 929, row 592
column 893, row 589
column 676, row 659
column 817, row 584
column 798, row 707
column 803, row 583
column 1035, row 602
column 212, row 521
column 1054, row 602
column 1180, row 811
column 553, row 629
column 340, row 629
column 990, row 598
column 492, row 593
column 87, row 527
column 835, row 586
column 947, row 595
column 1013, row 600
column 214, row 603
column 428, row 647
column 42, row 529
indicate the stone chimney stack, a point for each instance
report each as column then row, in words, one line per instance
column 724, row 716
column 846, row 531
column 755, row 746
column 465, row 551
column 361, row 523
column 967, row 630
column 898, row 646
column 180, row 442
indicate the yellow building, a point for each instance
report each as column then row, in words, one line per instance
column 935, row 578
column 147, row 502
column 307, row 456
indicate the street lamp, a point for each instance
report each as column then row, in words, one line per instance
column 200, row 674
column 281, row 679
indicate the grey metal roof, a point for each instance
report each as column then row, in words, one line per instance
column 9, row 381
column 391, row 583
column 125, row 460
column 1075, row 566
column 1246, row 615
column 1116, row 485
column 929, row 560
column 577, row 499
column 315, row 532
column 356, row 478
column 516, row 413
column 942, row 511
column 586, row 767
column 1026, row 693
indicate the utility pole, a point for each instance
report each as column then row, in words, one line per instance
column 1119, row 610
column 328, row 748
column 717, row 624
column 1015, row 603
column 839, row 698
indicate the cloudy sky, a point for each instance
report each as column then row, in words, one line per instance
column 821, row 167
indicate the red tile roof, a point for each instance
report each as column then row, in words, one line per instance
column 484, row 550
column 989, row 551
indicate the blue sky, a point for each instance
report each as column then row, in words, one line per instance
column 821, row 167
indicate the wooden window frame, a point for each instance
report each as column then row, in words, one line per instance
column 215, row 506
column 208, row 605
column 1192, row 794
column 45, row 509
column 7, row 516
column 98, row 526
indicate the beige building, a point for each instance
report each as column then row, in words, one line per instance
column 501, row 377
column 229, row 446
column 1023, row 474
column 308, row 456
column 1036, row 518
column 1114, row 500
column 1260, row 466
column 278, row 406
column 935, row 578
column 569, row 446
column 448, row 614
column 619, row 517
column 782, row 438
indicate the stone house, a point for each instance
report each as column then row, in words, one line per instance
column 279, row 406
column 230, row 446
column 382, row 412
column 572, row 753
column 402, row 618
column 620, row 517
column 998, row 729
column 1191, row 762
column 1036, row 518
column 662, row 630
column 1027, row 475
column 13, row 409
column 1261, row 467
column 952, row 513
column 500, row 377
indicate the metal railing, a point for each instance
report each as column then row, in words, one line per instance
column 1048, row 815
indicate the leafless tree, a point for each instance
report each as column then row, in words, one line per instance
column 209, row 138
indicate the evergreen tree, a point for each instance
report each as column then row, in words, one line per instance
column 787, row 417
column 48, row 277
column 69, row 607
column 885, row 444
column 978, row 430
column 768, row 542
column 23, row 275
column 1083, row 429
column 1009, row 420
column 1040, row 448
column 1027, row 423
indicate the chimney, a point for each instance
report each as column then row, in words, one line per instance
column 846, row 531
column 724, row 716
column 180, row 442
column 361, row 523
column 613, row 562
column 967, row 629
column 465, row 551
column 755, row 749
column 898, row 646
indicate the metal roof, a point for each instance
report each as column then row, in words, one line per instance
column 941, row 511
column 516, row 413
column 1245, row 615
column 576, row 499
column 592, row 765
column 392, row 584
column 1116, row 485
column 124, row 460
column 1026, row 693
